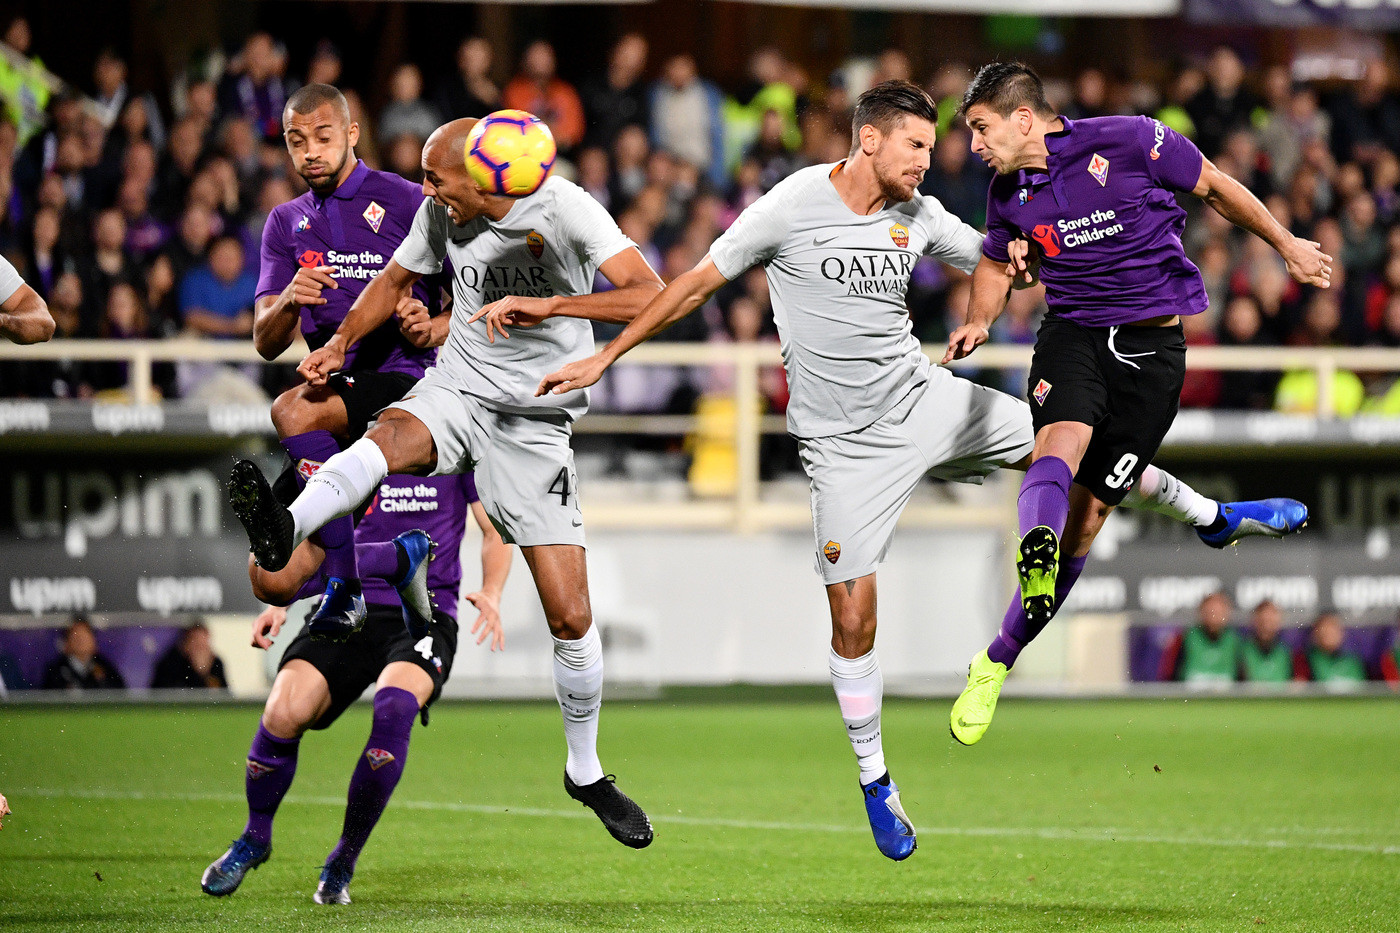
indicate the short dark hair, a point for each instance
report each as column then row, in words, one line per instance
column 886, row 105
column 306, row 99
column 1004, row 87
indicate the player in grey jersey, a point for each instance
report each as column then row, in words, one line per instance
column 475, row 409
column 24, row 317
column 871, row 415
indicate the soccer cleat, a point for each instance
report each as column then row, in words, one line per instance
column 341, row 612
column 334, row 886
column 414, row 595
column 269, row 525
column 1272, row 518
column 224, row 876
column 972, row 712
column 894, row 834
column 1037, row 565
column 626, row 821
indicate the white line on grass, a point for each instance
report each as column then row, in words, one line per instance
column 1010, row 832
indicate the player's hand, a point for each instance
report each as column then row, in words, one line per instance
column 267, row 625
column 4, row 809
column 1024, row 267
column 319, row 364
column 415, row 323
column 305, row 287
column 964, row 340
column 514, row 310
column 580, row 374
column 488, row 623
column 1307, row 263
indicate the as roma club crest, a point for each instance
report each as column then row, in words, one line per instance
column 832, row 551
column 374, row 216
column 900, row 234
column 1098, row 167
column 535, row 243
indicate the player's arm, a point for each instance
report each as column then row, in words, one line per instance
column 25, row 318
column 495, row 567
column 687, row 292
column 990, row 288
column 376, row 304
column 276, row 318
column 1307, row 263
column 281, row 587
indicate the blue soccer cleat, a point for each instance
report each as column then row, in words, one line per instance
column 341, row 612
column 414, row 595
column 224, row 876
column 894, row 834
column 334, row 886
column 1272, row 518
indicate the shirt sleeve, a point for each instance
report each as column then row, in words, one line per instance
column 754, row 238
column 277, row 265
column 10, row 280
column 950, row 240
column 1000, row 233
column 586, row 227
column 1173, row 161
column 469, row 488
column 422, row 251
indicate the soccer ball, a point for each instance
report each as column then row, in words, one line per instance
column 510, row 153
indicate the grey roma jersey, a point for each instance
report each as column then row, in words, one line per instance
column 838, row 281
column 550, row 243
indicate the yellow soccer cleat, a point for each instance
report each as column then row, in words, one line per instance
column 972, row 712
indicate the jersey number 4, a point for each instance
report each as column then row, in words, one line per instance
column 425, row 647
column 560, row 486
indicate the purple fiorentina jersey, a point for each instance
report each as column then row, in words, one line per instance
column 1108, row 226
column 356, row 229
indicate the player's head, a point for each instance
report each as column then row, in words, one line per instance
column 445, row 177
column 894, row 126
column 1006, row 110
column 320, row 136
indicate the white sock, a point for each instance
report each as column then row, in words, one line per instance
column 860, row 691
column 1158, row 491
column 578, row 685
column 339, row 486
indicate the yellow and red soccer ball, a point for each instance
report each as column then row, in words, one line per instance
column 510, row 153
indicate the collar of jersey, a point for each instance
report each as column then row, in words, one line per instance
column 351, row 186
column 1036, row 178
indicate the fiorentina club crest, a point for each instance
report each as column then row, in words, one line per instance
column 307, row 468
column 374, row 216
column 900, row 234
column 1098, row 167
column 1042, row 389
column 535, row 243
column 257, row 769
column 832, row 551
column 378, row 758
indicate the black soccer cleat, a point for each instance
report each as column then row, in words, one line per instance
column 269, row 524
column 626, row 821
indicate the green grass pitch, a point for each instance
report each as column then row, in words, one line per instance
column 1113, row 815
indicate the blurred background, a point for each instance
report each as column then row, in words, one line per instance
column 143, row 153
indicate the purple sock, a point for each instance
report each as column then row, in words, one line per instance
column 1044, row 497
column 338, row 535
column 379, row 560
column 1016, row 629
column 272, row 762
column 378, row 770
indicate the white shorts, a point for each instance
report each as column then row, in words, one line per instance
column 524, row 465
column 948, row 427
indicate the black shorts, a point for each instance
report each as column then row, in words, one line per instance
column 1125, row 382
column 352, row 665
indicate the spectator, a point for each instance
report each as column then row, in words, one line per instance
column 254, row 88
column 407, row 114
column 1090, row 95
column 1290, row 128
column 25, row 85
column 1207, row 654
column 108, row 264
column 1264, row 658
column 775, row 160
column 686, row 119
column 1224, row 104
column 957, row 180
column 190, row 664
column 1366, row 117
column 190, row 247
column 618, row 97
column 79, row 665
column 145, row 236
column 540, row 91
column 123, row 319
column 325, row 64
column 469, row 91
column 594, row 175
column 767, row 88
column 178, row 166
column 629, row 168
column 1241, row 326
column 46, row 259
column 216, row 299
column 1325, row 660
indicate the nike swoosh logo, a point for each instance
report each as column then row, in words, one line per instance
column 862, row 725
column 580, row 699
column 968, row 725
column 817, row 241
column 578, row 524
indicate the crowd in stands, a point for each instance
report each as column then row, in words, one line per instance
column 80, row 665
column 139, row 214
column 1212, row 652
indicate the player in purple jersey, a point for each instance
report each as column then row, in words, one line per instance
column 319, row 251
column 318, row 679
column 1097, row 196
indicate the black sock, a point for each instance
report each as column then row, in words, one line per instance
column 1218, row 525
column 402, row 569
